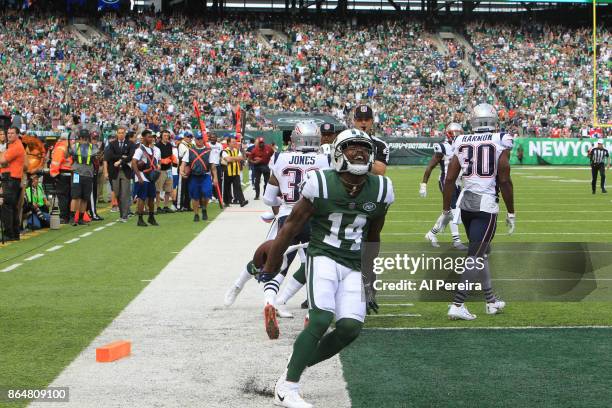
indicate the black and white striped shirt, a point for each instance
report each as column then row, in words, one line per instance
column 598, row 155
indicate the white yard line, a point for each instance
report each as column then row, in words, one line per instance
column 504, row 221
column 516, row 233
column 86, row 234
column 99, row 229
column 71, row 241
column 12, row 267
column 33, row 257
column 394, row 315
column 396, row 304
column 187, row 349
column 55, row 248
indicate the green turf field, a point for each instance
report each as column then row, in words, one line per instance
column 54, row 306
column 397, row 364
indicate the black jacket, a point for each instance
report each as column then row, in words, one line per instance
column 112, row 153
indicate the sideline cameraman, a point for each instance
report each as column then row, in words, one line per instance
column 37, row 204
column 11, row 173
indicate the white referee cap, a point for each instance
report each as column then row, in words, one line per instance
column 599, row 141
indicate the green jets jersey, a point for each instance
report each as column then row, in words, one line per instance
column 340, row 222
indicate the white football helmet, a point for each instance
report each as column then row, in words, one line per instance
column 453, row 130
column 306, row 136
column 346, row 138
column 484, row 118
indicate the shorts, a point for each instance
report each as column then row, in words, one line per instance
column 200, row 187
column 164, row 182
column 82, row 189
column 145, row 190
column 175, row 181
column 335, row 288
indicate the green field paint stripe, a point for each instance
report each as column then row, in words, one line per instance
column 71, row 241
column 516, row 233
column 526, row 211
column 487, row 328
column 503, row 221
column 55, row 248
column 10, row 268
column 396, row 304
column 33, row 257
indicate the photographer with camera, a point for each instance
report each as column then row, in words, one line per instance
column 11, row 172
column 118, row 155
column 61, row 170
column 83, row 153
column 37, row 204
column 146, row 165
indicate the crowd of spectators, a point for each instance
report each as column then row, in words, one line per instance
column 543, row 74
column 150, row 69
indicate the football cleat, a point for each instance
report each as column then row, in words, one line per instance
column 287, row 396
column 231, row 295
column 459, row 313
column 270, row 322
column 433, row 239
column 459, row 245
column 283, row 313
column 495, row 307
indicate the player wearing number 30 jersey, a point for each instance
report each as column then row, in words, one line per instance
column 483, row 159
column 346, row 207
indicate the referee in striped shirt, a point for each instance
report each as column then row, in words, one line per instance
column 599, row 155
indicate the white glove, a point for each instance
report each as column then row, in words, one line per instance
column 423, row 190
column 510, row 222
column 443, row 220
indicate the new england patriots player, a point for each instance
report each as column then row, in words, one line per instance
column 288, row 171
column 443, row 152
column 484, row 159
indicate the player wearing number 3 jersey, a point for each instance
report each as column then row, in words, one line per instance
column 484, row 160
column 346, row 207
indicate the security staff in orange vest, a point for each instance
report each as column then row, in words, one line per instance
column 11, row 173
column 61, row 169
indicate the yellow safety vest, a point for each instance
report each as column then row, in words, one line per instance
column 233, row 168
column 79, row 157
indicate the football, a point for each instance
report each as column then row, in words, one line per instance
column 141, row 165
column 261, row 254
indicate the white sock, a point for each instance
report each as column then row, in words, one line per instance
column 454, row 229
column 289, row 290
column 243, row 278
column 271, row 288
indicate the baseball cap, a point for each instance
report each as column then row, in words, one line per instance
column 198, row 135
column 187, row 133
column 363, row 112
column 84, row 134
column 328, row 128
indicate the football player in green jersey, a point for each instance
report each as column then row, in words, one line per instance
column 346, row 207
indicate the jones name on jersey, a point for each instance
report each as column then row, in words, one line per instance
column 290, row 170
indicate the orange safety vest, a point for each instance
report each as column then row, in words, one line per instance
column 61, row 161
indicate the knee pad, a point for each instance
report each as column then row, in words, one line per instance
column 319, row 321
column 348, row 330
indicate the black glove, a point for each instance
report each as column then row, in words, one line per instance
column 370, row 294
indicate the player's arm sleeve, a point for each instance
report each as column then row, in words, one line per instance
column 507, row 141
column 382, row 152
column 438, row 148
column 310, row 189
column 270, row 196
column 389, row 197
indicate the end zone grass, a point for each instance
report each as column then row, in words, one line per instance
column 54, row 306
column 441, row 367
